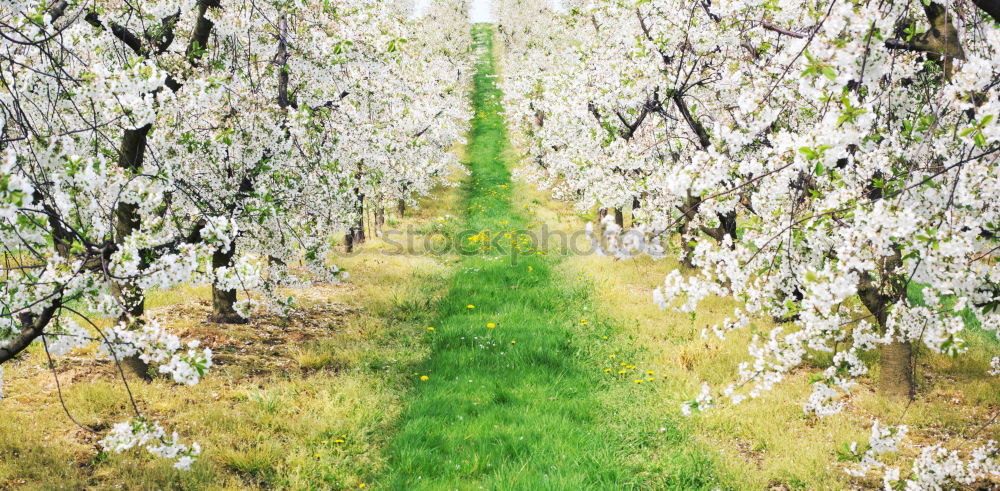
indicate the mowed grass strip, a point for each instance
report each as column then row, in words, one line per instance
column 508, row 398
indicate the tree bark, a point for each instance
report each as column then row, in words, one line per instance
column 401, row 207
column 896, row 378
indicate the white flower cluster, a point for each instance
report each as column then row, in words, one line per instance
column 884, row 439
column 935, row 468
column 66, row 336
column 155, row 346
column 703, row 402
column 938, row 468
column 151, row 436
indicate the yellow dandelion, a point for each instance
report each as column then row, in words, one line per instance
column 651, row 379
column 338, row 441
column 638, row 380
column 490, row 325
column 318, row 456
column 530, row 268
column 424, row 378
column 649, row 372
column 607, row 370
column 613, row 355
column 513, row 341
column 430, row 328
column 621, row 372
column 470, row 306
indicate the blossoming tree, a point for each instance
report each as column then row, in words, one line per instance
column 155, row 143
column 832, row 165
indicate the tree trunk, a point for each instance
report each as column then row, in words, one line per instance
column 355, row 236
column 223, row 301
column 619, row 217
column 379, row 220
column 359, row 231
column 687, row 258
column 896, row 379
column 126, row 222
column 401, row 207
column 635, row 207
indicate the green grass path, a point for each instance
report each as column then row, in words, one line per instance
column 516, row 406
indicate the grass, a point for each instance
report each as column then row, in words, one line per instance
column 512, row 395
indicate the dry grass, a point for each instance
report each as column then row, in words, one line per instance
column 769, row 442
column 300, row 402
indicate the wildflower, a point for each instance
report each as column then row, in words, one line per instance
column 424, row 378
column 530, row 269
column 430, row 328
column 607, row 370
column 338, row 441
column 651, row 379
column 490, row 325
column 649, row 372
column 613, row 355
column 638, row 380
column 621, row 372
column 470, row 306
column 513, row 341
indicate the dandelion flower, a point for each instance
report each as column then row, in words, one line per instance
column 638, row 380
column 530, row 268
column 470, row 306
column 490, row 325
column 430, row 328
column 613, row 356
column 649, row 372
column 424, row 378
column 607, row 370
column 513, row 341
column 338, row 441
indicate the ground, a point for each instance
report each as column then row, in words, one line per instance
column 512, row 366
